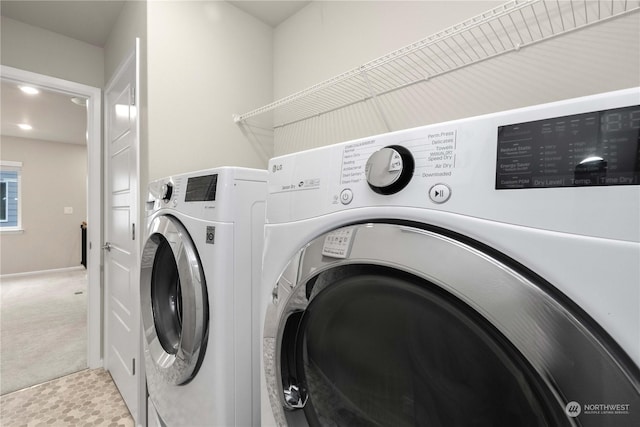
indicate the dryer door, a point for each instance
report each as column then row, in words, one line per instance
column 174, row 302
column 382, row 324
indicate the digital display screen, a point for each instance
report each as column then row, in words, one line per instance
column 201, row 188
column 590, row 149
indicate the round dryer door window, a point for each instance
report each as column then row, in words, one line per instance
column 173, row 301
column 381, row 348
column 428, row 329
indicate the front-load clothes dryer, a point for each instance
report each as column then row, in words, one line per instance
column 200, row 274
column 480, row 272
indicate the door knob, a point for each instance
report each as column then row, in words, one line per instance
column 107, row 246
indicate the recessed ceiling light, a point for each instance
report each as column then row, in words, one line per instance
column 29, row 90
column 25, row 126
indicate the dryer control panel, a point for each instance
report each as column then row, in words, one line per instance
column 589, row 149
column 578, row 161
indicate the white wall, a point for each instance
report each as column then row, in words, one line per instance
column 41, row 51
column 207, row 60
column 132, row 24
column 51, row 238
column 328, row 38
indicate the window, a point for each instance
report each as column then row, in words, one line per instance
column 10, row 212
column 4, row 209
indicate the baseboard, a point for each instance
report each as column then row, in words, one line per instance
column 33, row 273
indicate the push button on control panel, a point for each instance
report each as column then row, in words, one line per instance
column 346, row 196
column 439, row 193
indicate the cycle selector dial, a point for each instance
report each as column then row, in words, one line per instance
column 389, row 169
column 166, row 191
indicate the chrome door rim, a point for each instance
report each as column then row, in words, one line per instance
column 180, row 367
column 520, row 309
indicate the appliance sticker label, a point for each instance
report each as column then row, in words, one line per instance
column 337, row 244
column 210, row 238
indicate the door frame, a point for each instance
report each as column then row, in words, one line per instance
column 94, row 195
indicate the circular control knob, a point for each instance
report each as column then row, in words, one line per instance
column 166, row 191
column 389, row 169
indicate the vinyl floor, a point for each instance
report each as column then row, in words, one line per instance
column 85, row 398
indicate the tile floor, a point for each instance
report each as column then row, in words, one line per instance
column 85, row 398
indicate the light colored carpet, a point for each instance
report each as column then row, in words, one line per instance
column 43, row 328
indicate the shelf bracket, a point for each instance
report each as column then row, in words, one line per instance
column 374, row 98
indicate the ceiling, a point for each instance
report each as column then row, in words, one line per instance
column 91, row 21
column 88, row 21
column 53, row 116
column 272, row 13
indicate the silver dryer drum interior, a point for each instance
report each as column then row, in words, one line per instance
column 402, row 324
column 174, row 301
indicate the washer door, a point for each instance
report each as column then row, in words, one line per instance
column 174, row 302
column 380, row 324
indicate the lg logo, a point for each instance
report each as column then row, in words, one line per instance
column 572, row 409
column 276, row 168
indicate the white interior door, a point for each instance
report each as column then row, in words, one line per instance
column 121, row 234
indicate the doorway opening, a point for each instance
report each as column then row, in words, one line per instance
column 50, row 197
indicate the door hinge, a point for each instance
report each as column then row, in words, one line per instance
column 133, row 95
column 133, row 366
column 133, row 231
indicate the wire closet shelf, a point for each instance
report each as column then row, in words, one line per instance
column 506, row 28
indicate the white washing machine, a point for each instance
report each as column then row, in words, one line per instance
column 483, row 272
column 200, row 273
